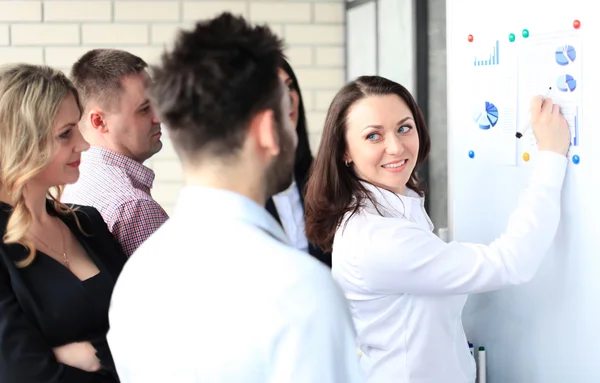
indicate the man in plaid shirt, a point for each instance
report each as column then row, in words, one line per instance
column 123, row 131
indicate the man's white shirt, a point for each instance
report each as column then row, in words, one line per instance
column 217, row 295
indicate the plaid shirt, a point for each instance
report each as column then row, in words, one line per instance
column 119, row 188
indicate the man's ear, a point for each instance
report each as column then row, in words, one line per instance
column 96, row 120
column 264, row 131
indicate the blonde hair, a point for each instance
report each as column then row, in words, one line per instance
column 30, row 97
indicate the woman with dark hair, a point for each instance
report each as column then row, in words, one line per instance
column 288, row 207
column 406, row 287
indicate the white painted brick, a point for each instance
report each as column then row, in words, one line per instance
column 314, row 34
column 330, row 56
column 315, row 121
column 169, row 209
column 323, row 99
column 66, row 71
column 280, row 12
column 114, row 33
column 329, row 12
column 308, row 98
column 22, row 54
column 167, row 170
column 315, row 50
column 277, row 29
column 314, row 141
column 77, row 10
column 199, row 10
column 166, row 33
column 300, row 56
column 167, row 152
column 150, row 54
column 44, row 34
column 146, row 10
column 320, row 78
column 166, row 193
column 4, row 36
column 64, row 57
column 20, row 10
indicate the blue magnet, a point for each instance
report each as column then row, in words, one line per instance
column 471, row 154
column 576, row 159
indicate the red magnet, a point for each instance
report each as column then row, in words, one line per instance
column 470, row 38
column 576, row 24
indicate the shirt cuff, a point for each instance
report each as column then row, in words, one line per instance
column 550, row 169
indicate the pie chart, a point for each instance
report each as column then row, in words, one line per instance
column 486, row 116
column 565, row 55
column 566, row 83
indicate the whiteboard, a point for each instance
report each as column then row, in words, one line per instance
column 361, row 41
column 546, row 331
column 396, row 42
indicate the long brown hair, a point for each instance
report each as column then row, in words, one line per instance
column 334, row 189
column 304, row 157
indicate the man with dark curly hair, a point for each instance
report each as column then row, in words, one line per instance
column 217, row 294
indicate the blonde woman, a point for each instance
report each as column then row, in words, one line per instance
column 58, row 263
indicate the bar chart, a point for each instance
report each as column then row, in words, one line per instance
column 492, row 59
column 570, row 111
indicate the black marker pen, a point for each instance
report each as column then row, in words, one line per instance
column 520, row 134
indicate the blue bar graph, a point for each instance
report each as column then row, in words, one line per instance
column 494, row 58
column 576, row 135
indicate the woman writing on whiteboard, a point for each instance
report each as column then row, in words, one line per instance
column 406, row 287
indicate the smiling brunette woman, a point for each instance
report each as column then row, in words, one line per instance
column 58, row 263
column 406, row 287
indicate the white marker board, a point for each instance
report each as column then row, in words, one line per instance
column 546, row 331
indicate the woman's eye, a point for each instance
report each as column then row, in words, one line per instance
column 66, row 133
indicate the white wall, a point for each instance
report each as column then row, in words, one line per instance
column 380, row 40
column 546, row 330
column 361, row 39
column 57, row 32
column 397, row 55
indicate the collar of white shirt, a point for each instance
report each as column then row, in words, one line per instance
column 202, row 201
column 391, row 204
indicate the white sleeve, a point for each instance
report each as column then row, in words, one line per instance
column 406, row 259
column 318, row 344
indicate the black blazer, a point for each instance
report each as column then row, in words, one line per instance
column 313, row 250
column 44, row 305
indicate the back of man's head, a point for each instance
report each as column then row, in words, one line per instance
column 216, row 78
column 98, row 75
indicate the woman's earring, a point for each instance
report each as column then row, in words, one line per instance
column 347, row 163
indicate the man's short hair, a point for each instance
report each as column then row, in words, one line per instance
column 98, row 74
column 214, row 80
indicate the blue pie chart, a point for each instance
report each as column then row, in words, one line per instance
column 566, row 83
column 488, row 117
column 565, row 55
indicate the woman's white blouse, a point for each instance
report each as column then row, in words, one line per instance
column 406, row 287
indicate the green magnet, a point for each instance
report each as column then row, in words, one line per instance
column 511, row 37
column 525, row 33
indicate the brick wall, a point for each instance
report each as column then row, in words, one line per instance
column 56, row 33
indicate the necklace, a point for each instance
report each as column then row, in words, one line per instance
column 63, row 253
